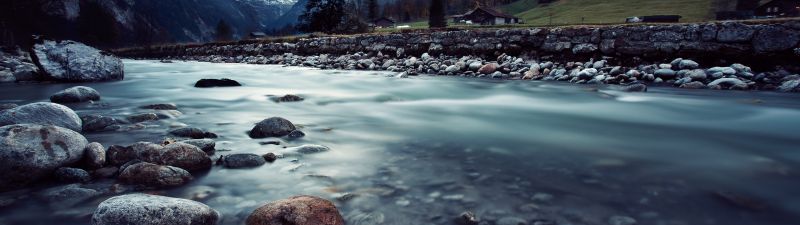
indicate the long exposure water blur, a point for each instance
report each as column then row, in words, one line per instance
column 422, row 150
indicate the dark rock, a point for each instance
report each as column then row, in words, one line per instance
column 96, row 123
column 288, row 98
column 42, row 113
column 467, row 218
column 297, row 210
column 72, row 175
column 76, row 94
column 243, row 160
column 152, row 175
column 94, row 156
column 161, row 106
column 740, row 201
column 30, row 152
column 205, row 83
column 192, row 132
column 270, row 157
column 296, row 134
column 635, row 88
column 7, row 106
column 142, row 117
column 144, row 209
column 106, row 172
column 272, row 127
column 207, row 145
column 71, row 61
column 665, row 74
column 117, row 155
column 693, row 85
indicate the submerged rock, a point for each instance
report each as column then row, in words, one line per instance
column 161, row 106
column 205, row 83
column 71, row 61
column 288, row 98
column 635, row 88
column 138, row 118
column 272, row 127
column 143, row 209
column 297, row 210
column 308, row 149
column 67, row 195
column 72, row 175
column 152, row 175
column 296, row 134
column 75, row 94
column 29, row 152
column 42, row 113
column 243, row 160
column 467, row 218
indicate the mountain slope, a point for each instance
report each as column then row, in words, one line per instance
column 609, row 11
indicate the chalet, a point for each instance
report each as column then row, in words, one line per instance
column 384, row 22
column 257, row 34
column 778, row 8
column 485, row 16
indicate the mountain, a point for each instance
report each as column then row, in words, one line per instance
column 115, row 23
column 289, row 18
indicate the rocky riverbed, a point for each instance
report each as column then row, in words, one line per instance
column 357, row 147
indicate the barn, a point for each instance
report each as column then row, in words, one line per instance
column 486, row 16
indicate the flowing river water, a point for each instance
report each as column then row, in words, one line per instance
column 422, row 150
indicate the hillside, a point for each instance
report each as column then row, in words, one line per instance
column 608, row 11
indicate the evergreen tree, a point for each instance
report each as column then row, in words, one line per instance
column 322, row 16
column 373, row 9
column 224, row 31
column 436, row 18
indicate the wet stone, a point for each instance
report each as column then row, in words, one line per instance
column 205, row 83
column 296, row 134
column 467, row 218
column 297, row 210
column 207, row 145
column 146, row 209
column 160, row 106
column 138, row 118
column 288, row 98
column 75, row 94
column 270, row 157
column 152, row 175
column 192, row 132
column 245, row 160
column 94, row 156
column 272, row 127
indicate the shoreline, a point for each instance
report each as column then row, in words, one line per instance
column 678, row 73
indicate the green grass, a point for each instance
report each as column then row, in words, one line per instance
column 518, row 6
column 611, row 11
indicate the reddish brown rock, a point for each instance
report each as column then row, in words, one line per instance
column 297, row 210
column 488, row 68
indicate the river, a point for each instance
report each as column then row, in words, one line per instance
column 424, row 149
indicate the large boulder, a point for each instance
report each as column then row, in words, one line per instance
column 152, row 175
column 76, row 94
column 206, row 83
column 42, row 113
column 29, row 152
column 297, row 210
column 143, row 209
column 243, row 160
column 182, row 155
column 72, row 61
column 272, row 127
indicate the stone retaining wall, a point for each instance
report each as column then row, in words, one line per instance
column 765, row 43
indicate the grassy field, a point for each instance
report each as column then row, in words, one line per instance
column 576, row 12
column 609, row 11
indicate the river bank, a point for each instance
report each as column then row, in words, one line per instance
column 726, row 55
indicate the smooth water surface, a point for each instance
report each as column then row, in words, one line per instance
column 424, row 149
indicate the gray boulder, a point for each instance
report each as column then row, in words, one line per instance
column 75, row 62
column 144, row 209
column 67, row 195
column 180, row 155
column 152, row 175
column 272, row 127
column 97, row 123
column 243, row 160
column 42, row 113
column 75, row 94
column 29, row 152
column 94, row 156
column 665, row 74
column 790, row 86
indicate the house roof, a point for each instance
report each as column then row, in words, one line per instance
column 492, row 12
column 384, row 18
